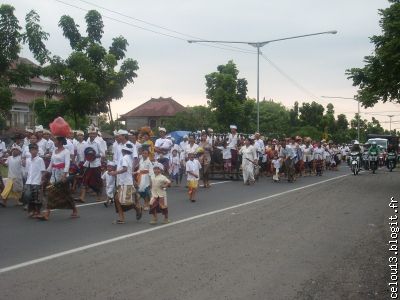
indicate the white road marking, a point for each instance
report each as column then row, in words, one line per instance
column 130, row 235
column 220, row 182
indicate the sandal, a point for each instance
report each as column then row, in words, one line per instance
column 79, row 200
column 42, row 218
column 73, row 216
column 119, row 222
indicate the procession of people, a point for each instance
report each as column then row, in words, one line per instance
column 57, row 168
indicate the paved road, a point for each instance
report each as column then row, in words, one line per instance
column 324, row 240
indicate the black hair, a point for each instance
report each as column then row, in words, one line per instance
column 33, row 146
column 62, row 140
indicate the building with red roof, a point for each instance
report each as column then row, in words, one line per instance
column 21, row 115
column 152, row 113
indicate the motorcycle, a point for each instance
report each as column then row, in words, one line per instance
column 373, row 162
column 365, row 159
column 391, row 161
column 355, row 162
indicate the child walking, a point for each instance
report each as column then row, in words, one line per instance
column 276, row 165
column 158, row 202
column 36, row 173
column 14, row 185
column 143, row 177
column 174, row 166
column 193, row 167
column 111, row 183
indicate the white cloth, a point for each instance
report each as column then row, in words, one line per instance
column 145, row 165
column 164, row 144
column 232, row 141
column 157, row 190
column 193, row 166
column 42, row 145
column 70, row 146
column 49, row 147
column 14, row 167
column 102, row 143
column 63, row 157
column 80, row 151
column 183, row 145
column 97, row 162
column 249, row 155
column 259, row 144
column 174, row 165
column 318, row 153
column 226, row 152
column 190, row 149
column 35, row 167
column 110, row 184
column 126, row 177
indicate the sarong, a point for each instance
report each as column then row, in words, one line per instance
column 92, row 179
column 34, row 196
column 158, row 205
column 59, row 196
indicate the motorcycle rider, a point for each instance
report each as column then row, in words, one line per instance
column 374, row 149
column 391, row 149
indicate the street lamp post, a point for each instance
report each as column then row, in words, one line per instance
column 358, row 110
column 259, row 45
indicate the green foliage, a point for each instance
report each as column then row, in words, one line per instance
column 274, row 119
column 47, row 110
column 227, row 97
column 312, row 114
column 379, row 79
column 89, row 78
column 12, row 72
column 192, row 119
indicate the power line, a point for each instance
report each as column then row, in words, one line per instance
column 155, row 25
column 151, row 30
column 294, row 82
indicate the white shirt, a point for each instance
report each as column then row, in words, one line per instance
column 232, row 141
column 193, row 166
column 319, row 153
column 248, row 153
column 14, row 167
column 226, row 152
column 174, row 165
column 110, row 184
column 70, row 147
column 259, row 144
column 183, row 145
column 80, row 151
column 97, row 162
column 63, row 157
column 49, row 146
column 102, row 143
column 126, row 177
column 42, row 145
column 164, row 144
column 276, row 163
column 3, row 148
column 35, row 167
column 190, row 149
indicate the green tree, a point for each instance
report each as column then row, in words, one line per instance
column 312, row 114
column 274, row 119
column 13, row 72
column 46, row 110
column 226, row 94
column 193, row 119
column 89, row 79
column 294, row 115
column 379, row 79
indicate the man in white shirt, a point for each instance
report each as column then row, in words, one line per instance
column 162, row 147
column 232, row 144
column 80, row 148
column 260, row 148
column 41, row 142
column 92, row 174
column 184, row 143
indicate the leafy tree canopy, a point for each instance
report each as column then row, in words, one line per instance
column 12, row 37
column 379, row 79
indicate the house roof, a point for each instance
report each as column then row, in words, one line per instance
column 161, row 107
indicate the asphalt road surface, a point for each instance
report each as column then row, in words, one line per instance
column 319, row 238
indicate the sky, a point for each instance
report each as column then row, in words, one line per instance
column 172, row 67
